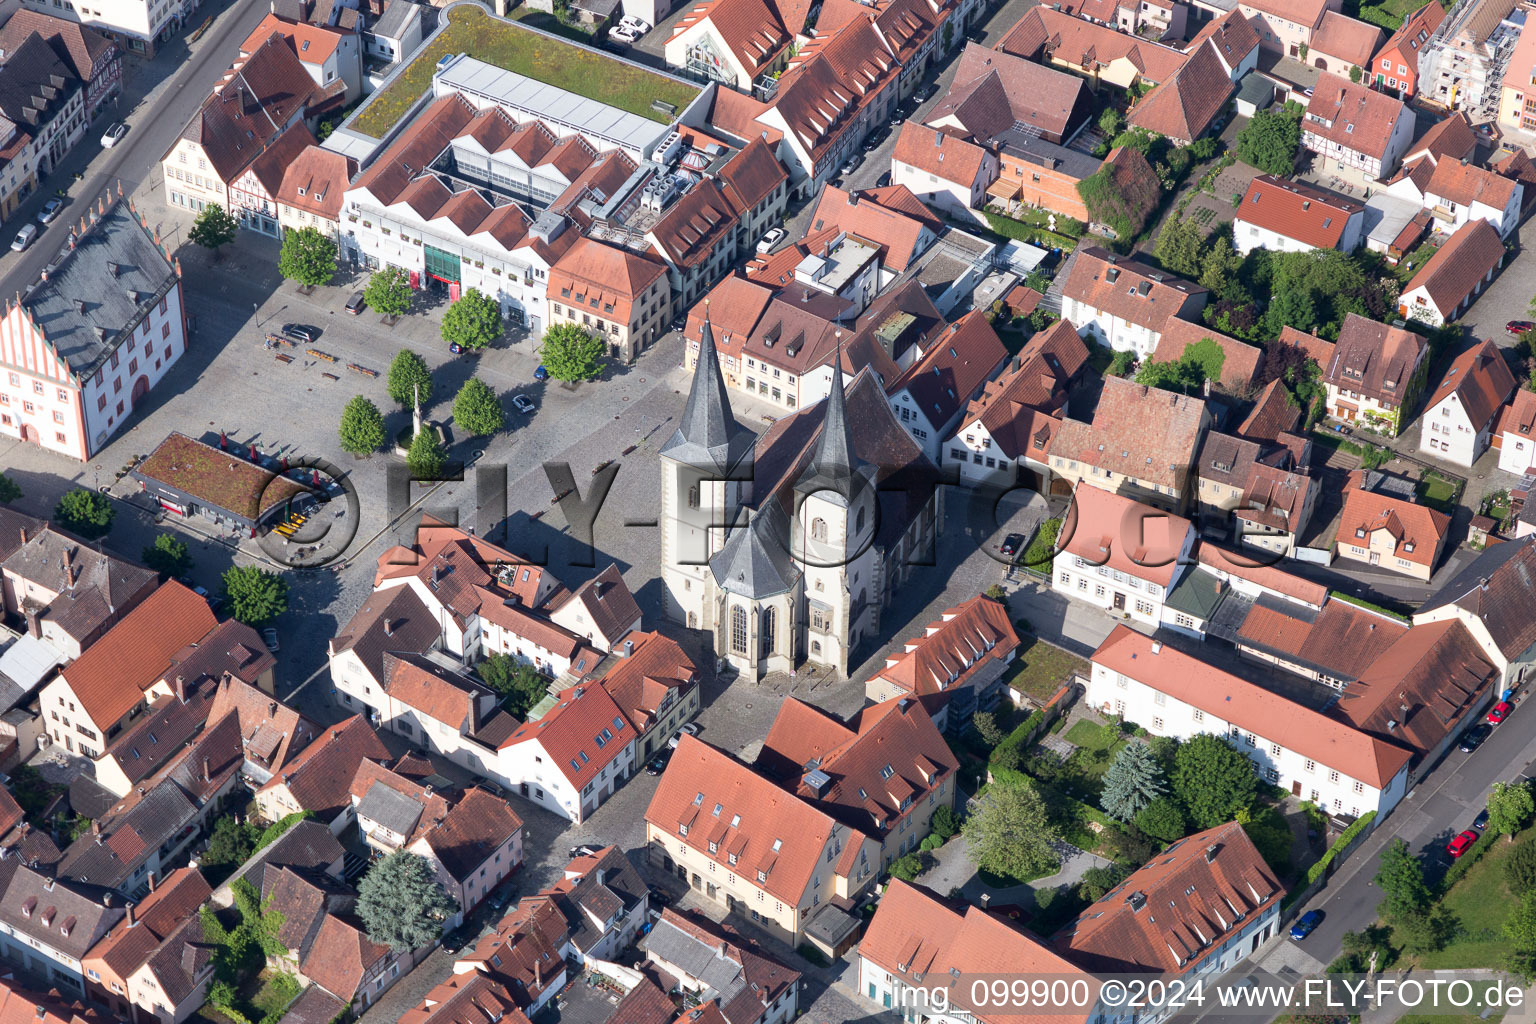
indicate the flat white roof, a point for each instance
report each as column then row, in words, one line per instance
column 555, row 106
column 29, row 661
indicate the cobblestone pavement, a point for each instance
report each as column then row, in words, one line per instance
column 954, row 868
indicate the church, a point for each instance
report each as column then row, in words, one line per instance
column 788, row 546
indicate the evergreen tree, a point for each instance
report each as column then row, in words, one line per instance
column 362, row 427
column 1131, row 783
column 1179, row 247
column 401, row 902
column 476, row 409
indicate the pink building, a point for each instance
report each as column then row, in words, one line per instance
column 92, row 336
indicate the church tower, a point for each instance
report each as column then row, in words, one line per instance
column 836, row 521
column 706, row 476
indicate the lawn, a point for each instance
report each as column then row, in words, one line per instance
column 1480, row 902
column 1437, row 492
column 508, row 45
column 1041, row 669
column 1097, row 746
column 1042, row 546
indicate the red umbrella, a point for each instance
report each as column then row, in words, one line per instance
column 223, row 441
column 253, row 453
column 285, row 463
column 314, row 477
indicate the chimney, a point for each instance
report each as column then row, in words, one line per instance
column 207, row 776
column 1136, row 901
column 154, row 880
column 389, row 628
column 1210, row 852
column 106, row 899
column 629, row 648
column 720, row 951
column 23, row 536
column 1157, row 647
column 903, row 704
column 986, row 900
column 538, row 974
column 96, row 829
column 181, row 688
column 132, row 921
column 271, row 709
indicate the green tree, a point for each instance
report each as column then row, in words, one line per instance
column 307, row 257
column 519, row 684
column 362, row 426
column 1365, row 950
column 1510, row 808
column 401, row 902
column 1269, row 140
column 1163, row 819
column 407, row 371
column 1122, row 364
column 84, row 512
column 1011, row 833
column 1355, row 74
column 1400, row 877
column 425, row 457
column 255, row 596
column 1520, row 868
column 987, row 728
column 1131, row 783
column 476, row 409
column 1180, row 247
column 571, row 354
column 213, row 229
column 945, row 823
column 10, row 490
column 1220, row 261
column 907, row 868
column 1110, row 122
column 474, row 321
column 388, row 292
column 258, row 919
column 230, row 843
column 1212, row 780
column 1271, row 836
column 1424, row 931
column 1097, row 881
column 1520, row 930
column 1291, row 309
column 167, row 555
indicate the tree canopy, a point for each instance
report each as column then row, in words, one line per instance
column 1133, row 781
column 1270, row 139
column 474, row 321
column 388, row 292
column 1400, row 877
column 1510, row 808
column 425, row 457
column 520, row 685
column 1213, row 780
column 476, row 409
column 1199, row 363
column 87, row 513
column 1163, row 819
column 10, row 490
column 255, row 596
column 308, row 257
column 362, row 427
column 405, row 371
column 1010, row 833
column 167, row 555
column 213, row 229
column 571, row 354
column 401, row 902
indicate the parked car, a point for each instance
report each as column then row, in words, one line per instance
column 1461, row 844
column 853, row 163
column 691, row 728
column 456, row 940
column 305, row 333
column 355, row 304
column 1473, row 737
column 623, row 34
column 883, row 180
column 658, row 764
column 659, row 896
column 1518, row 327
column 523, row 404
column 771, row 239
column 1499, row 712
column 1306, row 924
column 585, row 850
column 455, row 348
column 50, row 211
column 1012, row 544
column 541, row 374
column 1481, row 821
column 114, row 134
column 269, row 637
column 25, row 237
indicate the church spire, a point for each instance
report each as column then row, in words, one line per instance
column 833, row 461
column 708, row 430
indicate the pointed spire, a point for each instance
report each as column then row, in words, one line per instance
column 833, row 460
column 707, row 421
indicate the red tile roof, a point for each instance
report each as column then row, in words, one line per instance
column 1233, row 36
column 1417, row 532
column 1251, row 708
column 1346, row 39
column 696, row 225
column 1184, row 904
column 1456, row 268
column 1183, row 107
column 1481, row 381
column 964, row 640
column 1274, row 413
column 994, row 91
column 1138, row 431
column 1466, row 183
column 469, row 998
column 936, row 943
column 1518, row 416
column 1127, row 288
column 607, row 603
column 940, row 153
column 900, row 235
column 1404, row 45
column 254, row 100
column 1341, row 641
column 1242, row 363
column 607, row 280
column 1354, row 116
column 473, row 831
column 766, row 829
column 1448, row 138
column 1310, row 346
column 312, row 44
column 341, row 956
column 169, row 904
column 81, row 45
column 832, row 79
column 657, row 668
column 1017, row 406
column 573, row 732
column 1097, row 527
column 750, row 29
column 1072, row 41
column 1298, row 210
column 752, row 175
column 320, row 777
column 1243, row 566
column 113, row 673
column 953, row 368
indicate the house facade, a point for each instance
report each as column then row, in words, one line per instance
column 1459, row 419
column 1119, row 555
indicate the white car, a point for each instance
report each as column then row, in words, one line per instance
column 523, row 404
column 639, row 26
column 771, row 239
column 269, row 636
column 25, row 237
column 114, row 134
column 623, row 34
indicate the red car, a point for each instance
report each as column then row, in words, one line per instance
column 1461, row 844
column 1499, row 712
column 1519, row 327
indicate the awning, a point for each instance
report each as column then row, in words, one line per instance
column 1004, row 188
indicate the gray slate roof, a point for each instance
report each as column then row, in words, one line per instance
column 390, row 808
column 100, row 290
column 395, row 18
column 833, row 462
column 157, row 816
column 708, row 437
column 756, row 561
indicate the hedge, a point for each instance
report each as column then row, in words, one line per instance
column 1349, row 835
column 1019, row 231
column 1021, row 735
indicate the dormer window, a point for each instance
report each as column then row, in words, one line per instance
column 714, row 847
column 301, row 190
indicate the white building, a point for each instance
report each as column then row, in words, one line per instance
column 140, row 26
column 1456, row 191
column 1295, row 216
column 1356, row 127
column 1315, row 756
column 89, row 340
column 1122, row 303
column 574, row 757
column 1514, row 433
column 1120, row 555
column 1459, row 420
